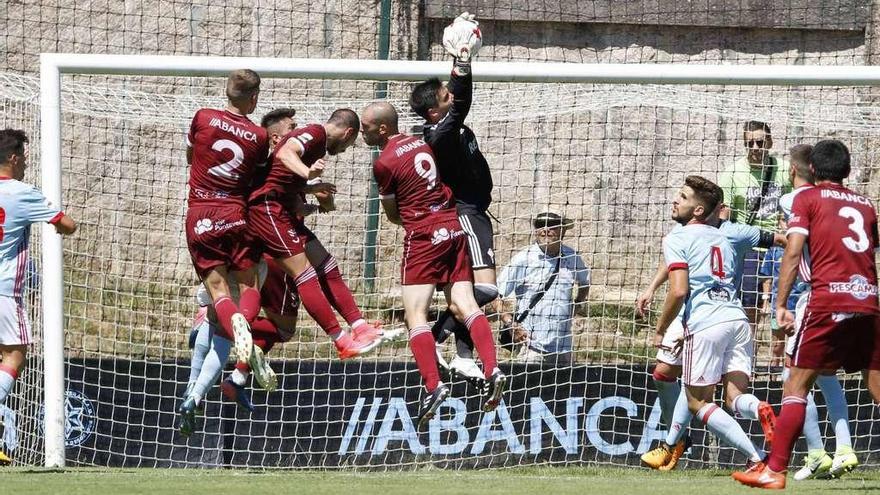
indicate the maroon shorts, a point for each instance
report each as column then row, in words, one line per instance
column 276, row 232
column 279, row 294
column 436, row 254
column 829, row 341
column 218, row 236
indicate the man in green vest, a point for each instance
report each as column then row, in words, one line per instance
column 752, row 187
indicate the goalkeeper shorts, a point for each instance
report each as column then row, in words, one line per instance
column 15, row 329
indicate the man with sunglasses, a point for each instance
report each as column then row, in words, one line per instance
column 752, row 186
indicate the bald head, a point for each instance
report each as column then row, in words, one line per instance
column 378, row 123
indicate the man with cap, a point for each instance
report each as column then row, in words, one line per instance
column 541, row 277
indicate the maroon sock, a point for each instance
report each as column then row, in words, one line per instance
column 243, row 367
column 249, row 303
column 314, row 301
column 336, row 291
column 421, row 342
column 789, row 425
column 265, row 334
column 225, row 308
column 481, row 334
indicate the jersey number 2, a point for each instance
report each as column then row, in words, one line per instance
column 717, row 262
column 861, row 242
column 227, row 169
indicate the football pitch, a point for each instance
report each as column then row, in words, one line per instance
column 532, row 481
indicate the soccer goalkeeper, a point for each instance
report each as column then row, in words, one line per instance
column 464, row 169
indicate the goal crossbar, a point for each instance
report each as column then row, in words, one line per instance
column 53, row 65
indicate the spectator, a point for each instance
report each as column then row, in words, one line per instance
column 752, row 187
column 541, row 277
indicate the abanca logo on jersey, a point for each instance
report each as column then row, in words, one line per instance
column 857, row 287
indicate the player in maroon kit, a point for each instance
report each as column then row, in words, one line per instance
column 435, row 252
column 832, row 238
column 224, row 148
column 279, row 229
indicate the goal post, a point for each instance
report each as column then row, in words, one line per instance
column 55, row 66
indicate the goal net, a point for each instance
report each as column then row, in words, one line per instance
column 607, row 156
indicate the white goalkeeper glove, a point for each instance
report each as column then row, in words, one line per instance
column 463, row 39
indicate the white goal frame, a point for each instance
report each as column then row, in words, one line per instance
column 53, row 65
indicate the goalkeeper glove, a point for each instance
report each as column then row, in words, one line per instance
column 463, row 39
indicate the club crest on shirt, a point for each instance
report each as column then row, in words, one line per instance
column 857, row 286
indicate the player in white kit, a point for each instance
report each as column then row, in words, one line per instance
column 20, row 206
column 717, row 341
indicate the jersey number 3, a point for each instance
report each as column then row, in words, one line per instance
column 857, row 226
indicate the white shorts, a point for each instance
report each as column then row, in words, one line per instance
column 799, row 309
column 15, row 329
column 673, row 333
column 720, row 349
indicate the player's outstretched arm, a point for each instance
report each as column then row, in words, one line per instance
column 289, row 155
column 65, row 225
column 645, row 298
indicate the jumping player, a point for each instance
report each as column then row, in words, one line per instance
column 435, row 252
column 224, row 148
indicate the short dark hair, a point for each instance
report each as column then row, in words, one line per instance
column 12, row 142
column 241, row 84
column 345, row 117
column 799, row 155
column 707, row 192
column 831, row 160
column 276, row 116
column 424, row 96
column 756, row 125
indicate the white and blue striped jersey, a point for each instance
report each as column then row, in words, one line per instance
column 711, row 263
column 20, row 206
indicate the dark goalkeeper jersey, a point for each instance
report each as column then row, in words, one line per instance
column 461, row 164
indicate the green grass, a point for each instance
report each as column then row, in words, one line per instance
column 531, row 481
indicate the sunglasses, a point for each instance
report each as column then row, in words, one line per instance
column 755, row 142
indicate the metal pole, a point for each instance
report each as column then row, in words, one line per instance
column 53, row 266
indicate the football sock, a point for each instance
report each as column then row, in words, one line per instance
column 838, row 413
column 337, row 292
column 727, row 429
column 681, row 419
column 811, row 426
column 315, row 302
column 200, row 349
column 212, row 366
column 421, row 343
column 249, row 303
column 225, row 308
column 8, row 374
column 240, row 374
column 481, row 333
column 746, row 405
column 447, row 325
column 789, row 424
column 667, row 391
column 265, row 334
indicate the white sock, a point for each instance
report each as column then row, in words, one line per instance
column 668, row 393
column 727, row 429
column 238, row 377
column 811, row 426
column 6, row 382
column 681, row 419
column 200, row 349
column 357, row 323
column 746, row 405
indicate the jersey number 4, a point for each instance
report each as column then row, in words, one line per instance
column 717, row 262
column 227, row 169
column 861, row 243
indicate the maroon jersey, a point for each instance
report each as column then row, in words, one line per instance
column 226, row 149
column 841, row 230
column 406, row 170
column 279, row 179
